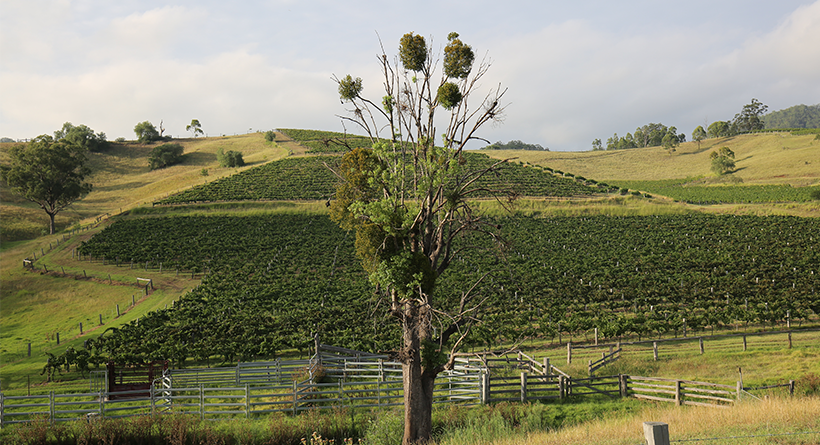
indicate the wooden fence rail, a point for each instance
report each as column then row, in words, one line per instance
column 226, row 402
column 684, row 392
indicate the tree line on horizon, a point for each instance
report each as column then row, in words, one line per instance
column 751, row 118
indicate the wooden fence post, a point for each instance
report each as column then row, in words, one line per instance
column 623, row 385
column 523, row 386
column 562, row 387
column 547, row 370
column 700, row 340
column 295, row 397
column 655, row 350
column 791, row 387
column 247, row 400
column 678, row 395
column 51, row 407
column 485, row 387
column 569, row 352
column 656, row 433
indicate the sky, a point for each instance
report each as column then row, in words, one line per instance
column 574, row 71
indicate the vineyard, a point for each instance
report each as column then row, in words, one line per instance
column 683, row 190
column 326, row 141
column 273, row 281
column 311, row 178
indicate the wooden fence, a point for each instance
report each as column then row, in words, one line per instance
column 226, row 402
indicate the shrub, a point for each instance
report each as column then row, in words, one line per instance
column 229, row 158
column 270, row 135
column 165, row 155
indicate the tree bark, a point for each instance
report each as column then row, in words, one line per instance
column 417, row 379
column 52, row 229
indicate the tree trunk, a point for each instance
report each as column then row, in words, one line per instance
column 52, row 229
column 417, row 379
column 418, row 404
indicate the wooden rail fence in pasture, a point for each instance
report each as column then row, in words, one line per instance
column 336, row 378
column 684, row 392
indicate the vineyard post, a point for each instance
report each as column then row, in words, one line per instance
column 81, row 328
column 202, row 402
column 29, row 349
column 790, row 339
column 569, row 352
column 596, row 336
column 58, row 338
column 655, row 350
column 118, row 309
column 744, row 342
column 101, row 320
column 700, row 340
column 684, row 327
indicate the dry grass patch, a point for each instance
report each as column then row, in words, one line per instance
column 777, row 416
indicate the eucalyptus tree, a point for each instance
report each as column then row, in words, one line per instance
column 407, row 198
column 48, row 173
column 698, row 135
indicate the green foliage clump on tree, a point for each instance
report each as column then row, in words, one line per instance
column 48, row 173
column 230, row 158
column 720, row 129
column 194, row 127
column 749, row 118
column 698, row 135
column 723, row 161
column 164, row 155
column 82, row 136
column 146, row 132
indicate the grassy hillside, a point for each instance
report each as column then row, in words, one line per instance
column 36, row 306
column 775, row 158
column 122, row 180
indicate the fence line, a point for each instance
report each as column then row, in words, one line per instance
column 787, row 342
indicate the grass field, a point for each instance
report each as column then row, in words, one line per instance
column 774, row 158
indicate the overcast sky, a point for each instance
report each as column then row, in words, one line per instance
column 576, row 71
